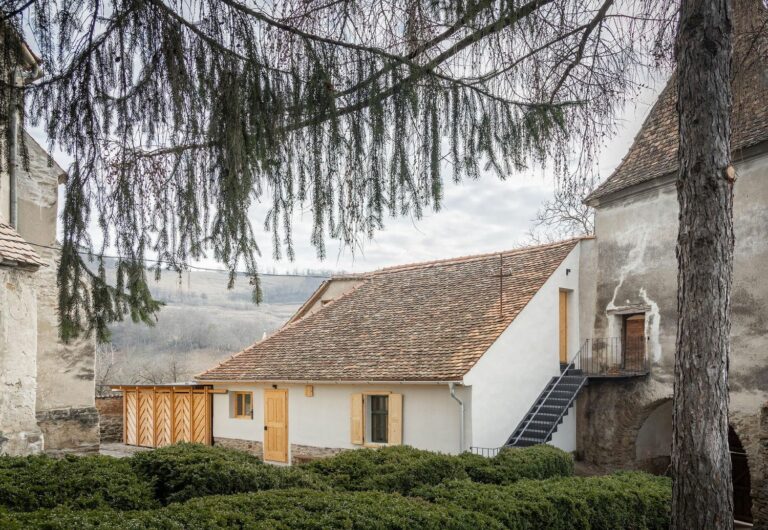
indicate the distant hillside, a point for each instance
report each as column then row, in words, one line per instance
column 201, row 324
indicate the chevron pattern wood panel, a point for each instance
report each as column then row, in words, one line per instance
column 163, row 413
column 181, row 417
column 200, row 417
column 146, row 418
column 129, row 418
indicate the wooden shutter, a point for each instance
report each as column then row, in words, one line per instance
column 357, row 431
column 395, row 434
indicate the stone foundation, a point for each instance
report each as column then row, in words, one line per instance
column 249, row 446
column 307, row 453
column 299, row 453
column 70, row 430
column 110, row 418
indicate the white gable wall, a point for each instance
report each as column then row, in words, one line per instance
column 430, row 416
column 506, row 380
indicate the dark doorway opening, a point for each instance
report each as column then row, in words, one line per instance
column 742, row 499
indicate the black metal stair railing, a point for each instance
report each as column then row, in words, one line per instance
column 614, row 357
column 541, row 401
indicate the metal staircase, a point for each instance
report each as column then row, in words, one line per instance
column 599, row 358
column 541, row 421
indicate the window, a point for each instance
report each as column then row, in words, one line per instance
column 242, row 405
column 377, row 419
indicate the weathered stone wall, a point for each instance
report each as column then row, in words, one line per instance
column 637, row 268
column 110, row 418
column 63, row 387
column 19, row 433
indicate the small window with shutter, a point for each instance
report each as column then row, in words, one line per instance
column 376, row 419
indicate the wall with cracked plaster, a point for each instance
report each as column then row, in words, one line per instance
column 636, row 267
column 19, row 432
column 59, row 378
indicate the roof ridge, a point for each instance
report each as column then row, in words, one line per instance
column 473, row 257
column 319, row 342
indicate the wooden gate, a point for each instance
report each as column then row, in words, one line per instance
column 154, row 416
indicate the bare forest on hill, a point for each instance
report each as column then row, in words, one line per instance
column 201, row 324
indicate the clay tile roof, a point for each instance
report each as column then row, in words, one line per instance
column 420, row 322
column 654, row 151
column 14, row 251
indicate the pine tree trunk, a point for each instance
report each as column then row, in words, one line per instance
column 702, row 495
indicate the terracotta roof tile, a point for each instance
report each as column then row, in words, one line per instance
column 654, row 151
column 15, row 251
column 421, row 322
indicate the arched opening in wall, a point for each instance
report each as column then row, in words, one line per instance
column 653, row 449
column 742, row 486
column 653, row 445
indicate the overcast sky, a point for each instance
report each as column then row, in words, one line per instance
column 480, row 216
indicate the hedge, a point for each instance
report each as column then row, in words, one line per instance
column 284, row 509
column 625, row 500
column 402, row 468
column 34, row 482
column 513, row 464
column 390, row 469
column 184, row 471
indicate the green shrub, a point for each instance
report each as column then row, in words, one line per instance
column 183, row 471
column 390, row 469
column 513, row 464
column 34, row 482
column 624, row 500
column 287, row 509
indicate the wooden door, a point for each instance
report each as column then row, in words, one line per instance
column 634, row 343
column 163, row 418
column 200, row 417
column 182, row 417
column 276, row 425
column 130, row 417
column 563, row 327
column 146, row 418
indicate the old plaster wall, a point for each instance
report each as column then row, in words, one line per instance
column 19, row 432
column 65, row 372
column 637, row 268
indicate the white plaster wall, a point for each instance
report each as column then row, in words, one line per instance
column 509, row 377
column 565, row 435
column 19, row 433
column 430, row 416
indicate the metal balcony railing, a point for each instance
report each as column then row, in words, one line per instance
column 614, row 357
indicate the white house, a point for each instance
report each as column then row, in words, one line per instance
column 445, row 355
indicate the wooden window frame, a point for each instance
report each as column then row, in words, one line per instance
column 236, row 396
column 368, row 414
column 365, row 418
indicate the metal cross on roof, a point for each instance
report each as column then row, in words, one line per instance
column 501, row 276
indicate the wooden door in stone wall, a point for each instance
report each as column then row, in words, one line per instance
column 634, row 343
